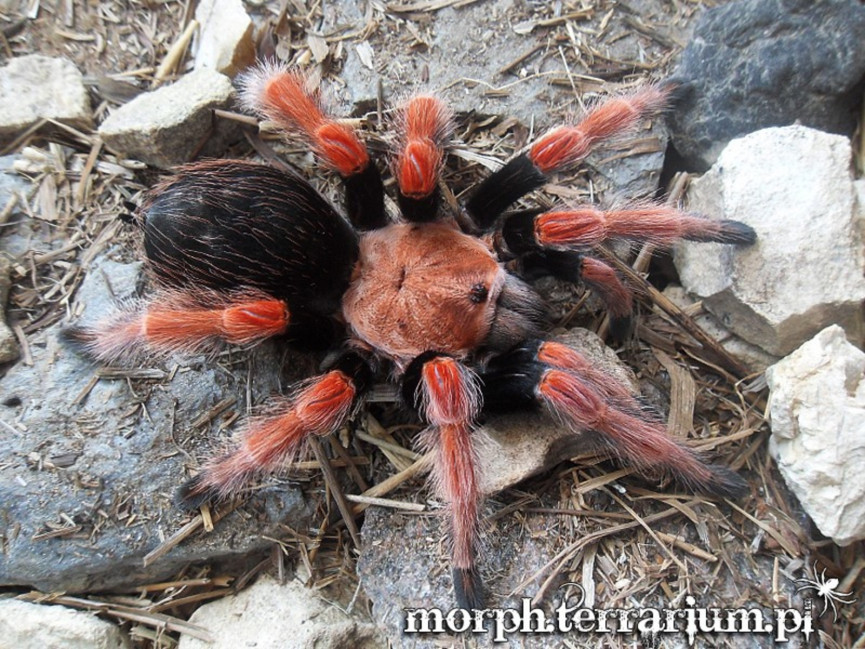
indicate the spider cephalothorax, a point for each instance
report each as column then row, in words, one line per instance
column 240, row 252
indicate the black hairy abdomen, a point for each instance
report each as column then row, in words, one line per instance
column 232, row 225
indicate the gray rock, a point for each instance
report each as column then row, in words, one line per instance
column 402, row 566
column 465, row 35
column 759, row 63
column 268, row 615
column 9, row 349
column 635, row 176
column 817, row 410
column 519, row 446
column 754, row 358
column 167, row 126
column 225, row 39
column 793, row 186
column 89, row 470
column 35, row 626
column 35, row 87
column 12, row 242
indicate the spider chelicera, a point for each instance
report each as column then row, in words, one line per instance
column 240, row 252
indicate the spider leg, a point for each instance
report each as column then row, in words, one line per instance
column 548, row 375
column 425, row 125
column 586, row 227
column 558, row 149
column 281, row 95
column 183, row 322
column 447, row 396
column 270, row 440
column 549, row 240
column 571, row 266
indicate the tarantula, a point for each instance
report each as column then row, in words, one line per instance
column 240, row 252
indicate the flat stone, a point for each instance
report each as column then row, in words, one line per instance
column 35, row 87
column 817, row 413
column 753, row 64
column 82, row 458
column 754, row 358
column 793, row 185
column 269, row 615
column 520, row 445
column 167, row 126
column 24, row 625
column 225, row 39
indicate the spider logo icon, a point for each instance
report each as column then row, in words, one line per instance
column 825, row 588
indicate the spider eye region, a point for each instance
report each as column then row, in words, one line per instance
column 479, row 293
column 425, row 287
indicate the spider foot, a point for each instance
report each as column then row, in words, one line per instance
column 468, row 588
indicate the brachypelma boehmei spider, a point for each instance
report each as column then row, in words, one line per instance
column 240, row 252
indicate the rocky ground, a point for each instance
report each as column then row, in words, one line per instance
column 96, row 99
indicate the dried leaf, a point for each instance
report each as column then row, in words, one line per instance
column 47, row 199
column 364, row 52
column 318, row 47
column 525, row 27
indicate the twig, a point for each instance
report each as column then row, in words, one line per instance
column 175, row 53
column 385, row 502
column 386, row 486
column 335, row 490
column 185, row 532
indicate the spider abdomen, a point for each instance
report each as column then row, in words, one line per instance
column 234, row 225
column 419, row 287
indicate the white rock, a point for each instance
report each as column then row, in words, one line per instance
column 817, row 410
column 35, row 626
column 517, row 446
column 793, row 186
column 165, row 127
column 268, row 615
column 225, row 42
column 35, row 87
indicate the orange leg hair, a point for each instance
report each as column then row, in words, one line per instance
column 425, row 125
column 271, row 440
column 602, row 279
column 174, row 323
column 280, row 95
column 642, row 442
column 566, row 358
column 657, row 224
column 450, row 398
column 567, row 145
